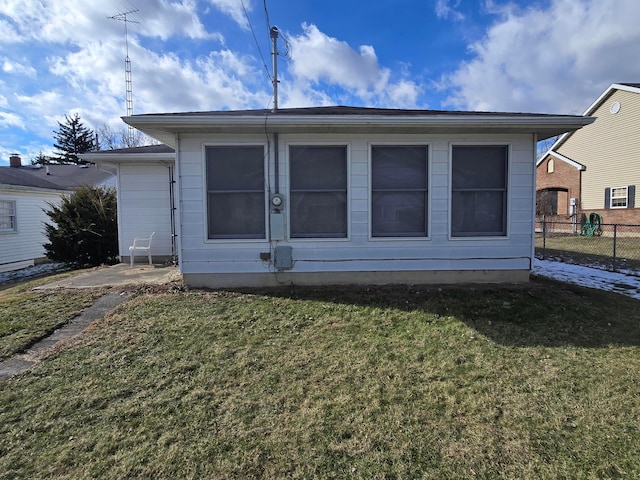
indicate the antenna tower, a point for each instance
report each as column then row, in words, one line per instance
column 127, row 67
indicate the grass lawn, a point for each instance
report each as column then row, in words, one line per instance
column 27, row 315
column 536, row 381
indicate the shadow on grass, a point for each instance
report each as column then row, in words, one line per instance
column 541, row 313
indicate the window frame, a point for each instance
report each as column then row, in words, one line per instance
column 507, row 192
column 13, row 218
column 617, row 197
column 347, row 148
column 206, row 191
column 427, row 190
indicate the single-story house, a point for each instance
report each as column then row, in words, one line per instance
column 596, row 169
column 25, row 194
column 339, row 195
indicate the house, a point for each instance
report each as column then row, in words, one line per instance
column 25, row 193
column 341, row 195
column 596, row 169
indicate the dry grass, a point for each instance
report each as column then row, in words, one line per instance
column 397, row 382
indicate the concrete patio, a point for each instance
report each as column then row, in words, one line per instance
column 119, row 275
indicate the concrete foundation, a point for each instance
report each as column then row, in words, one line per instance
column 233, row 280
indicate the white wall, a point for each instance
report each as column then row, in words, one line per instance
column 19, row 249
column 144, row 206
column 359, row 252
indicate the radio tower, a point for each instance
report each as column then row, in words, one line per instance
column 127, row 67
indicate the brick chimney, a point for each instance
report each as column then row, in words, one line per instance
column 15, row 161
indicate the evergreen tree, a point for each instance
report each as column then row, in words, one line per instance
column 71, row 139
column 42, row 159
column 84, row 229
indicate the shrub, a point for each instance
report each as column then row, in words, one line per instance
column 85, row 229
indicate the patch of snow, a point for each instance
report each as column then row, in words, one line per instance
column 589, row 277
column 35, row 271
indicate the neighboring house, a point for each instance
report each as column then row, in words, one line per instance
column 597, row 168
column 342, row 195
column 25, row 192
column 145, row 196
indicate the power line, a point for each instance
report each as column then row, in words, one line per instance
column 255, row 39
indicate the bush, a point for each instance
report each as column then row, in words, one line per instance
column 85, row 229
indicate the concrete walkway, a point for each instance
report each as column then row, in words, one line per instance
column 23, row 361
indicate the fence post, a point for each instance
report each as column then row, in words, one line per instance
column 544, row 238
column 615, row 242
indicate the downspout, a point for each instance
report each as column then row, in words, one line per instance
column 533, row 216
column 178, row 218
column 172, row 202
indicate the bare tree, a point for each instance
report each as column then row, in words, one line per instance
column 110, row 139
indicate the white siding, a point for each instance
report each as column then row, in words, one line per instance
column 359, row 252
column 144, row 206
column 19, row 249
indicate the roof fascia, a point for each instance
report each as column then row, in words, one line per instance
column 24, row 188
column 159, row 124
column 115, row 158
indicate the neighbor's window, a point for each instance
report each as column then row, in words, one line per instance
column 479, row 179
column 318, row 191
column 399, row 191
column 235, row 192
column 619, row 197
column 550, row 165
column 8, row 216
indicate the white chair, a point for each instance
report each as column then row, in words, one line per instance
column 141, row 244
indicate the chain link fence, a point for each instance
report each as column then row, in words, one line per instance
column 606, row 246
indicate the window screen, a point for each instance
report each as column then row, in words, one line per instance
column 318, row 191
column 7, row 216
column 399, row 191
column 235, row 192
column 479, row 191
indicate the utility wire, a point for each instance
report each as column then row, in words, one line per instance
column 266, row 69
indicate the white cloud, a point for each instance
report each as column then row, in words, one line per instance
column 10, row 120
column 317, row 58
column 446, row 9
column 556, row 59
column 235, row 9
column 14, row 68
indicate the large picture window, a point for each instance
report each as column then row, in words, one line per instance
column 399, row 191
column 235, row 192
column 479, row 179
column 8, row 216
column 318, row 191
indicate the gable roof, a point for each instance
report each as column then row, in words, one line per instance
column 52, row 177
column 573, row 163
column 627, row 87
column 346, row 119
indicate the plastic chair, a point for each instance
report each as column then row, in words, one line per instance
column 141, row 244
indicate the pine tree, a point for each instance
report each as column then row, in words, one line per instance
column 84, row 228
column 71, row 139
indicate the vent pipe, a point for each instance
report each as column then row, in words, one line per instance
column 274, row 32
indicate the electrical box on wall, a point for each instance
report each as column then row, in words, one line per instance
column 282, row 257
column 277, row 226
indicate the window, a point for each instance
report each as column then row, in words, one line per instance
column 235, row 192
column 318, row 191
column 619, row 197
column 479, row 179
column 550, row 165
column 399, row 191
column 8, row 216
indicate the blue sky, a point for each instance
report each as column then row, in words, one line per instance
column 60, row 57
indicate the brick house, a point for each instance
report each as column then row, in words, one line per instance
column 596, row 169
